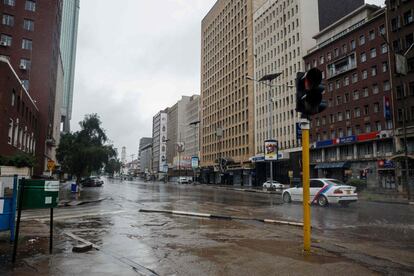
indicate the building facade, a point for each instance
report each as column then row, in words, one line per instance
column 352, row 138
column 19, row 120
column 68, row 41
column 145, row 154
column 283, row 33
column 29, row 38
column 400, row 17
column 177, row 127
column 227, row 103
column 159, row 144
column 192, row 119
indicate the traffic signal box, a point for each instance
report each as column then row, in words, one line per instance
column 309, row 93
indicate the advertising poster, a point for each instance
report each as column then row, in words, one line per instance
column 271, row 150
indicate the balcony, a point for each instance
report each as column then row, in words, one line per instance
column 341, row 66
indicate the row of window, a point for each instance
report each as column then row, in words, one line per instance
column 29, row 5
column 7, row 40
column 8, row 20
column 20, row 137
column 349, row 131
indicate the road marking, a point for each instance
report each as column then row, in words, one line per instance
column 46, row 218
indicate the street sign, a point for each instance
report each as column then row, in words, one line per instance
column 40, row 194
column 51, row 165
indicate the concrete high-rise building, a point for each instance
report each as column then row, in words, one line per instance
column 283, row 32
column 29, row 38
column 145, row 154
column 227, row 103
column 68, row 41
column 159, row 144
column 176, row 127
column 192, row 130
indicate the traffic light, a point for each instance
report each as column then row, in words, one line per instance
column 309, row 92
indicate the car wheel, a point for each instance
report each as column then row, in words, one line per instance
column 322, row 201
column 287, row 198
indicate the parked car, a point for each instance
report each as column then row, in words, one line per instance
column 93, row 181
column 183, row 180
column 323, row 191
column 274, row 185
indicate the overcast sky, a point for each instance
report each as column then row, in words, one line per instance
column 134, row 58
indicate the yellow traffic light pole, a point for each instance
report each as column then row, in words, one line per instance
column 306, row 186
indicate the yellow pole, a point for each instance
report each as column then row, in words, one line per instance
column 306, row 188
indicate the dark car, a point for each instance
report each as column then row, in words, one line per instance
column 92, row 182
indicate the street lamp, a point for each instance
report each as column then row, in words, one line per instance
column 269, row 78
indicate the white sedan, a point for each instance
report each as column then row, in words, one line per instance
column 273, row 185
column 323, row 191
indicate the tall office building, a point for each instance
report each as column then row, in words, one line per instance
column 159, row 144
column 29, row 39
column 68, row 41
column 227, row 103
column 192, row 114
column 283, row 32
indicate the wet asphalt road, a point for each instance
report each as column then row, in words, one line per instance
column 167, row 243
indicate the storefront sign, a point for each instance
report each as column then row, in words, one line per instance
column 345, row 140
column 271, row 150
column 386, row 164
column 367, row 136
column 324, row 143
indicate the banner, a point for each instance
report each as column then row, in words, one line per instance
column 271, row 150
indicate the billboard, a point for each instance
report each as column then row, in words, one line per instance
column 271, row 150
column 194, row 162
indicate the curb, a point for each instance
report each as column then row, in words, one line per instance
column 223, row 217
column 66, row 203
column 389, row 202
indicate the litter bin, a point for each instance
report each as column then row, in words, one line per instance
column 74, row 188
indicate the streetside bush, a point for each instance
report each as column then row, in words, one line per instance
column 358, row 183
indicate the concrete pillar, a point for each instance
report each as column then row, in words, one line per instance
column 338, row 154
column 323, row 155
column 355, row 152
column 375, row 149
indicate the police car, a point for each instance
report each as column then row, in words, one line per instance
column 323, row 191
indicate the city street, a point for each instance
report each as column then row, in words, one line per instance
column 361, row 239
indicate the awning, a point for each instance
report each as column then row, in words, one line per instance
column 333, row 165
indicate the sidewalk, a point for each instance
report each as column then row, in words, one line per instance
column 378, row 197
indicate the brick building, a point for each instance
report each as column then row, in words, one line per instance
column 352, row 138
column 400, row 25
column 29, row 39
column 18, row 116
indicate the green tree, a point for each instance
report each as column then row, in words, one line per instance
column 85, row 151
column 113, row 166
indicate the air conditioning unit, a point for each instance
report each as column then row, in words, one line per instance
column 4, row 44
column 384, row 134
column 23, row 67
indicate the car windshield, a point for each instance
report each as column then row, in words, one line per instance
column 335, row 182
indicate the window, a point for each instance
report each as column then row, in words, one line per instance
column 324, row 120
column 330, row 87
column 409, row 39
column 10, row 139
column 321, row 59
column 13, row 98
column 384, row 66
column 332, row 118
column 25, row 84
column 373, row 71
column 349, row 131
column 375, row 89
column 348, row 114
column 362, row 40
column 381, row 29
column 336, row 51
column 30, row 6
column 344, row 48
column 387, row 86
column 353, row 45
column 357, row 112
column 384, row 48
column 340, row 132
column 363, row 57
column 346, row 98
column 356, row 95
column 338, row 100
column 346, row 81
column 354, row 78
column 365, row 92
column 8, row 20
column 340, row 117
column 9, row 2
column 28, row 25
column 378, row 126
column 364, row 74
column 367, row 127
column 25, row 64
column 408, row 17
column 373, row 53
column 26, row 44
column 376, row 107
column 366, row 110
column 371, row 35
column 6, row 39
column 338, row 84
column 329, row 56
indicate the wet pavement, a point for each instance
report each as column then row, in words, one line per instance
column 365, row 238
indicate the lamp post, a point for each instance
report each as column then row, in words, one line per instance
column 269, row 78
